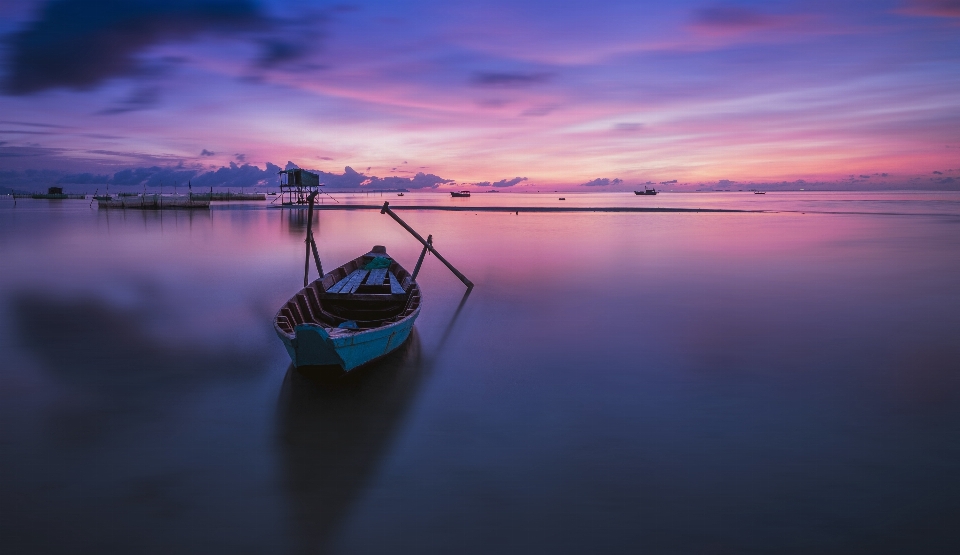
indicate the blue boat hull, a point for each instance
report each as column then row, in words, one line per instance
column 316, row 345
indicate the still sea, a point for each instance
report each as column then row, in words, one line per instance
column 780, row 380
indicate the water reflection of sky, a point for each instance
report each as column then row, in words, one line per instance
column 615, row 382
column 895, row 202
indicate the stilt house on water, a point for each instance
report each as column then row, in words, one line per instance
column 296, row 185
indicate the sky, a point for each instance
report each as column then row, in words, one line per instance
column 514, row 95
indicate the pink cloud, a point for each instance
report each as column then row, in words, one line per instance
column 733, row 22
column 727, row 19
column 936, row 8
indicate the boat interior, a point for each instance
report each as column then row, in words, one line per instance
column 358, row 295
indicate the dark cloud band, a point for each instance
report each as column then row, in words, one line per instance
column 79, row 44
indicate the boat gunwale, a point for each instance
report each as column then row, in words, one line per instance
column 316, row 289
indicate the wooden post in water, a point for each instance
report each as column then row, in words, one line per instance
column 428, row 245
column 311, row 244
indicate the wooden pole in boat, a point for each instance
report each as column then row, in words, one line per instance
column 423, row 254
column 316, row 256
column 426, row 244
column 311, row 244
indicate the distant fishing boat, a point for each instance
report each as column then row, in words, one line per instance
column 357, row 313
column 646, row 191
column 399, row 194
column 759, row 192
column 459, row 193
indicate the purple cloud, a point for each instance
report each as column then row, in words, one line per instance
column 508, row 80
column 729, row 17
column 140, row 99
column 501, row 183
column 152, row 176
column 352, row 179
column 537, row 111
column 235, row 175
column 935, row 8
column 79, row 44
column 85, row 179
column 18, row 178
column 278, row 52
column 602, row 182
column 31, row 124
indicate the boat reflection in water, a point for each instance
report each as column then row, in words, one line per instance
column 334, row 428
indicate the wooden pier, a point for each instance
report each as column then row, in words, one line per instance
column 224, row 197
column 48, row 196
column 53, row 193
column 519, row 209
column 154, row 202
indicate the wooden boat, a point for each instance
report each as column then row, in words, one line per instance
column 759, row 192
column 104, row 196
column 646, row 191
column 357, row 313
column 353, row 315
column 459, row 193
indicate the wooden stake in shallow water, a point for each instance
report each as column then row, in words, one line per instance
column 427, row 245
column 311, row 244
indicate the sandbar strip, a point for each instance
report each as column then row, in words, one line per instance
column 396, row 207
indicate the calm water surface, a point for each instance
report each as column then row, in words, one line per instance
column 778, row 382
column 835, row 202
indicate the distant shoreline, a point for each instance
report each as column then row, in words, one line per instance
column 517, row 208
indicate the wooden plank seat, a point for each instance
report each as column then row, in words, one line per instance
column 380, row 277
column 350, row 283
column 395, row 287
column 376, row 277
